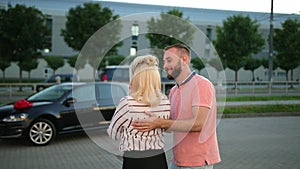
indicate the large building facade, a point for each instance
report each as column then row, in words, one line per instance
column 205, row 20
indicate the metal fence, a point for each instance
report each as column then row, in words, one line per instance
column 262, row 87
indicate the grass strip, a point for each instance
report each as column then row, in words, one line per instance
column 262, row 108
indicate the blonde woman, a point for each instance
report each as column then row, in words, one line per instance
column 141, row 149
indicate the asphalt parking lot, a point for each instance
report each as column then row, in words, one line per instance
column 245, row 143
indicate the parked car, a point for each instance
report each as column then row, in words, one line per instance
column 59, row 109
column 53, row 80
column 115, row 73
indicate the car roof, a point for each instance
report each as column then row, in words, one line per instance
column 125, row 86
column 83, row 83
column 72, row 83
column 64, row 75
column 117, row 66
column 113, row 83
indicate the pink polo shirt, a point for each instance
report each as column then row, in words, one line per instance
column 195, row 148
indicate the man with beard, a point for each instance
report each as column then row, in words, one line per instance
column 193, row 113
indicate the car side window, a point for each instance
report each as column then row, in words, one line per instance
column 117, row 93
column 110, row 92
column 118, row 74
column 67, row 79
column 121, row 75
column 84, row 93
column 105, row 91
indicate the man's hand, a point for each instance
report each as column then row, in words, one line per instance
column 193, row 124
column 144, row 125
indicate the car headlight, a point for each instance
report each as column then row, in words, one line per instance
column 15, row 117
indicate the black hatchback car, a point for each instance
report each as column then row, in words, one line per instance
column 59, row 109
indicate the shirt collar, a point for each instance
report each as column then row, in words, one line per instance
column 187, row 79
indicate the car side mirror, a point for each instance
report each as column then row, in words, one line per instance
column 69, row 101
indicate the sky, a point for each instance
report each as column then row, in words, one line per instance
column 279, row 6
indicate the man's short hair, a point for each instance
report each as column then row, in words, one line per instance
column 183, row 48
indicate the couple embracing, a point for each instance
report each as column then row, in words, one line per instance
column 142, row 117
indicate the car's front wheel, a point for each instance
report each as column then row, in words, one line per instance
column 41, row 132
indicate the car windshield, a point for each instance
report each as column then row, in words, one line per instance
column 51, row 94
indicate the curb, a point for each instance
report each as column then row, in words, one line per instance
column 271, row 114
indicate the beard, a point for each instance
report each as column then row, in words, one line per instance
column 175, row 71
column 170, row 77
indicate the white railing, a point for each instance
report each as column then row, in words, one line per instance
column 255, row 87
column 10, row 91
column 262, row 87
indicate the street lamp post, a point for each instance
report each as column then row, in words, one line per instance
column 271, row 46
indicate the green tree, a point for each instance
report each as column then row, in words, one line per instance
column 265, row 63
column 252, row 64
column 173, row 28
column 197, row 63
column 83, row 22
column 76, row 63
column 3, row 65
column 238, row 39
column 22, row 34
column 286, row 43
column 5, row 60
column 30, row 65
column 217, row 64
column 113, row 60
column 55, row 62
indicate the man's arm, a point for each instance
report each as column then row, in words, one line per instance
column 189, row 125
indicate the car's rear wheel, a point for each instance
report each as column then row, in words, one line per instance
column 41, row 132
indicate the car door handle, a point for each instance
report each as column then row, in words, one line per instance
column 104, row 108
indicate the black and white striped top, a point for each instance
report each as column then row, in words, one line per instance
column 126, row 112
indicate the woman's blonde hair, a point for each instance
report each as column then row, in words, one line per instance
column 145, row 82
